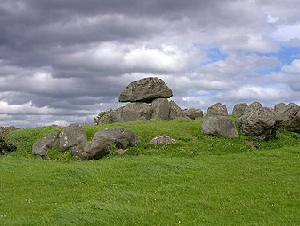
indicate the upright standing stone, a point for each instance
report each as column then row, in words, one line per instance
column 220, row 126
column 258, row 122
column 217, row 109
column 71, row 136
column 239, row 109
column 160, row 109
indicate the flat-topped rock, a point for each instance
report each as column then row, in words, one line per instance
column 145, row 90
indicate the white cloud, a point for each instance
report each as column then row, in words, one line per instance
column 256, row 93
column 287, row 32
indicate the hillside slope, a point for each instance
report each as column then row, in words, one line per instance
column 201, row 180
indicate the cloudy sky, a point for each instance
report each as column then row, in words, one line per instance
column 66, row 60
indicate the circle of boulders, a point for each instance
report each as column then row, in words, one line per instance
column 73, row 138
column 100, row 145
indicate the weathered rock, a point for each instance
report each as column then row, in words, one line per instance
column 91, row 150
column 252, row 107
column 175, row 111
column 99, row 146
column 280, row 108
column 41, row 147
column 217, row 109
column 220, row 126
column 239, row 109
column 145, row 90
column 133, row 112
column 258, row 122
column 121, row 137
column 160, row 109
column 71, row 136
column 193, row 113
column 288, row 117
column 163, row 140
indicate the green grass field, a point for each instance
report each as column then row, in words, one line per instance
column 201, row 180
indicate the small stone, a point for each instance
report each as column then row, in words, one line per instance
column 163, row 140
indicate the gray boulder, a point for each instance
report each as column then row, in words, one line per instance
column 280, row 108
column 220, row 126
column 259, row 122
column 145, row 90
column 193, row 113
column 71, row 136
column 99, row 146
column 121, row 137
column 217, row 109
column 41, row 147
column 163, row 140
column 90, row 150
column 160, row 109
column 288, row 117
column 239, row 109
column 175, row 111
column 252, row 107
column 133, row 112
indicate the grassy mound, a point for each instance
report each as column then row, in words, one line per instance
column 201, row 180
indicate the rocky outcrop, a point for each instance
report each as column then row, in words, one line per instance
column 217, row 109
column 71, row 136
column 145, row 90
column 239, row 109
column 258, row 122
column 192, row 113
column 164, row 140
column 288, row 117
column 219, row 126
column 101, row 142
column 41, row 147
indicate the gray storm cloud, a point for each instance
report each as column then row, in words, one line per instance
column 63, row 60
